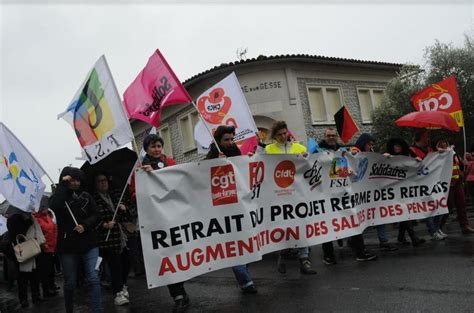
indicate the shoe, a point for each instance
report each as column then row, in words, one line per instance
column 366, row 257
column 329, row 260
column 24, row 303
column 305, row 267
column 387, row 247
column 125, row 291
column 181, row 303
column 249, row 290
column 467, row 230
column 403, row 241
column 417, row 242
column 120, row 299
column 443, row 234
column 436, row 236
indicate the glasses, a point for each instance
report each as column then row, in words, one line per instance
column 102, row 180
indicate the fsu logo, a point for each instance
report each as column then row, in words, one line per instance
column 214, row 107
column 284, row 174
column 223, row 186
column 339, row 168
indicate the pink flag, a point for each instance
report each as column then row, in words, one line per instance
column 154, row 88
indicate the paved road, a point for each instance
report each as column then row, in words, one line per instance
column 437, row 277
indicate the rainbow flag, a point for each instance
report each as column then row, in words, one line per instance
column 97, row 115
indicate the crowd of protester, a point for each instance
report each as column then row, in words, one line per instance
column 94, row 234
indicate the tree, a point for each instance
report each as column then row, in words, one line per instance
column 441, row 61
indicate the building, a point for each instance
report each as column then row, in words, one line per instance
column 303, row 90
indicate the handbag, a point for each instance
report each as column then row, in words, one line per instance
column 130, row 228
column 27, row 249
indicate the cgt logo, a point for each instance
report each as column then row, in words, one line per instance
column 284, row 174
column 223, row 186
column 215, row 106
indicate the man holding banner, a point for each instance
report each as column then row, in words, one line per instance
column 279, row 132
column 224, row 136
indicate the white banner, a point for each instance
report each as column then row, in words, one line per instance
column 200, row 217
column 97, row 115
column 224, row 104
column 20, row 173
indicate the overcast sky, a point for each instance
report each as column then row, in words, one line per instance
column 46, row 50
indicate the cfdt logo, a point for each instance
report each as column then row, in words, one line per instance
column 284, row 174
column 223, row 186
column 256, row 174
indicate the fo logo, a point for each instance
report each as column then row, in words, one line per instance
column 223, row 186
column 284, row 174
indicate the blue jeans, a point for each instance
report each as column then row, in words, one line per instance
column 303, row 253
column 242, row 275
column 70, row 265
column 435, row 223
column 382, row 233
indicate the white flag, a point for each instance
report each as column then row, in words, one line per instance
column 97, row 115
column 20, row 173
column 224, row 104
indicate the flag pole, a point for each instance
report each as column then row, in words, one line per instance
column 465, row 141
column 120, row 200
column 70, row 212
column 204, row 122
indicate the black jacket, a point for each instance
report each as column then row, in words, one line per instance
column 324, row 145
column 214, row 153
column 84, row 210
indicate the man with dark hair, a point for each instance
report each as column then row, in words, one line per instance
column 330, row 143
column 366, row 143
column 421, row 147
column 224, row 136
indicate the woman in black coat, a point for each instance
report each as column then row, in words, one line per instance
column 77, row 218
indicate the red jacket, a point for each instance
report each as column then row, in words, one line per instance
column 418, row 152
column 50, row 231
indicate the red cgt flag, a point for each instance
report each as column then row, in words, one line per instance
column 441, row 96
column 346, row 127
column 155, row 87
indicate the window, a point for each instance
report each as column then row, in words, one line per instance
column 324, row 102
column 164, row 133
column 369, row 99
column 186, row 124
